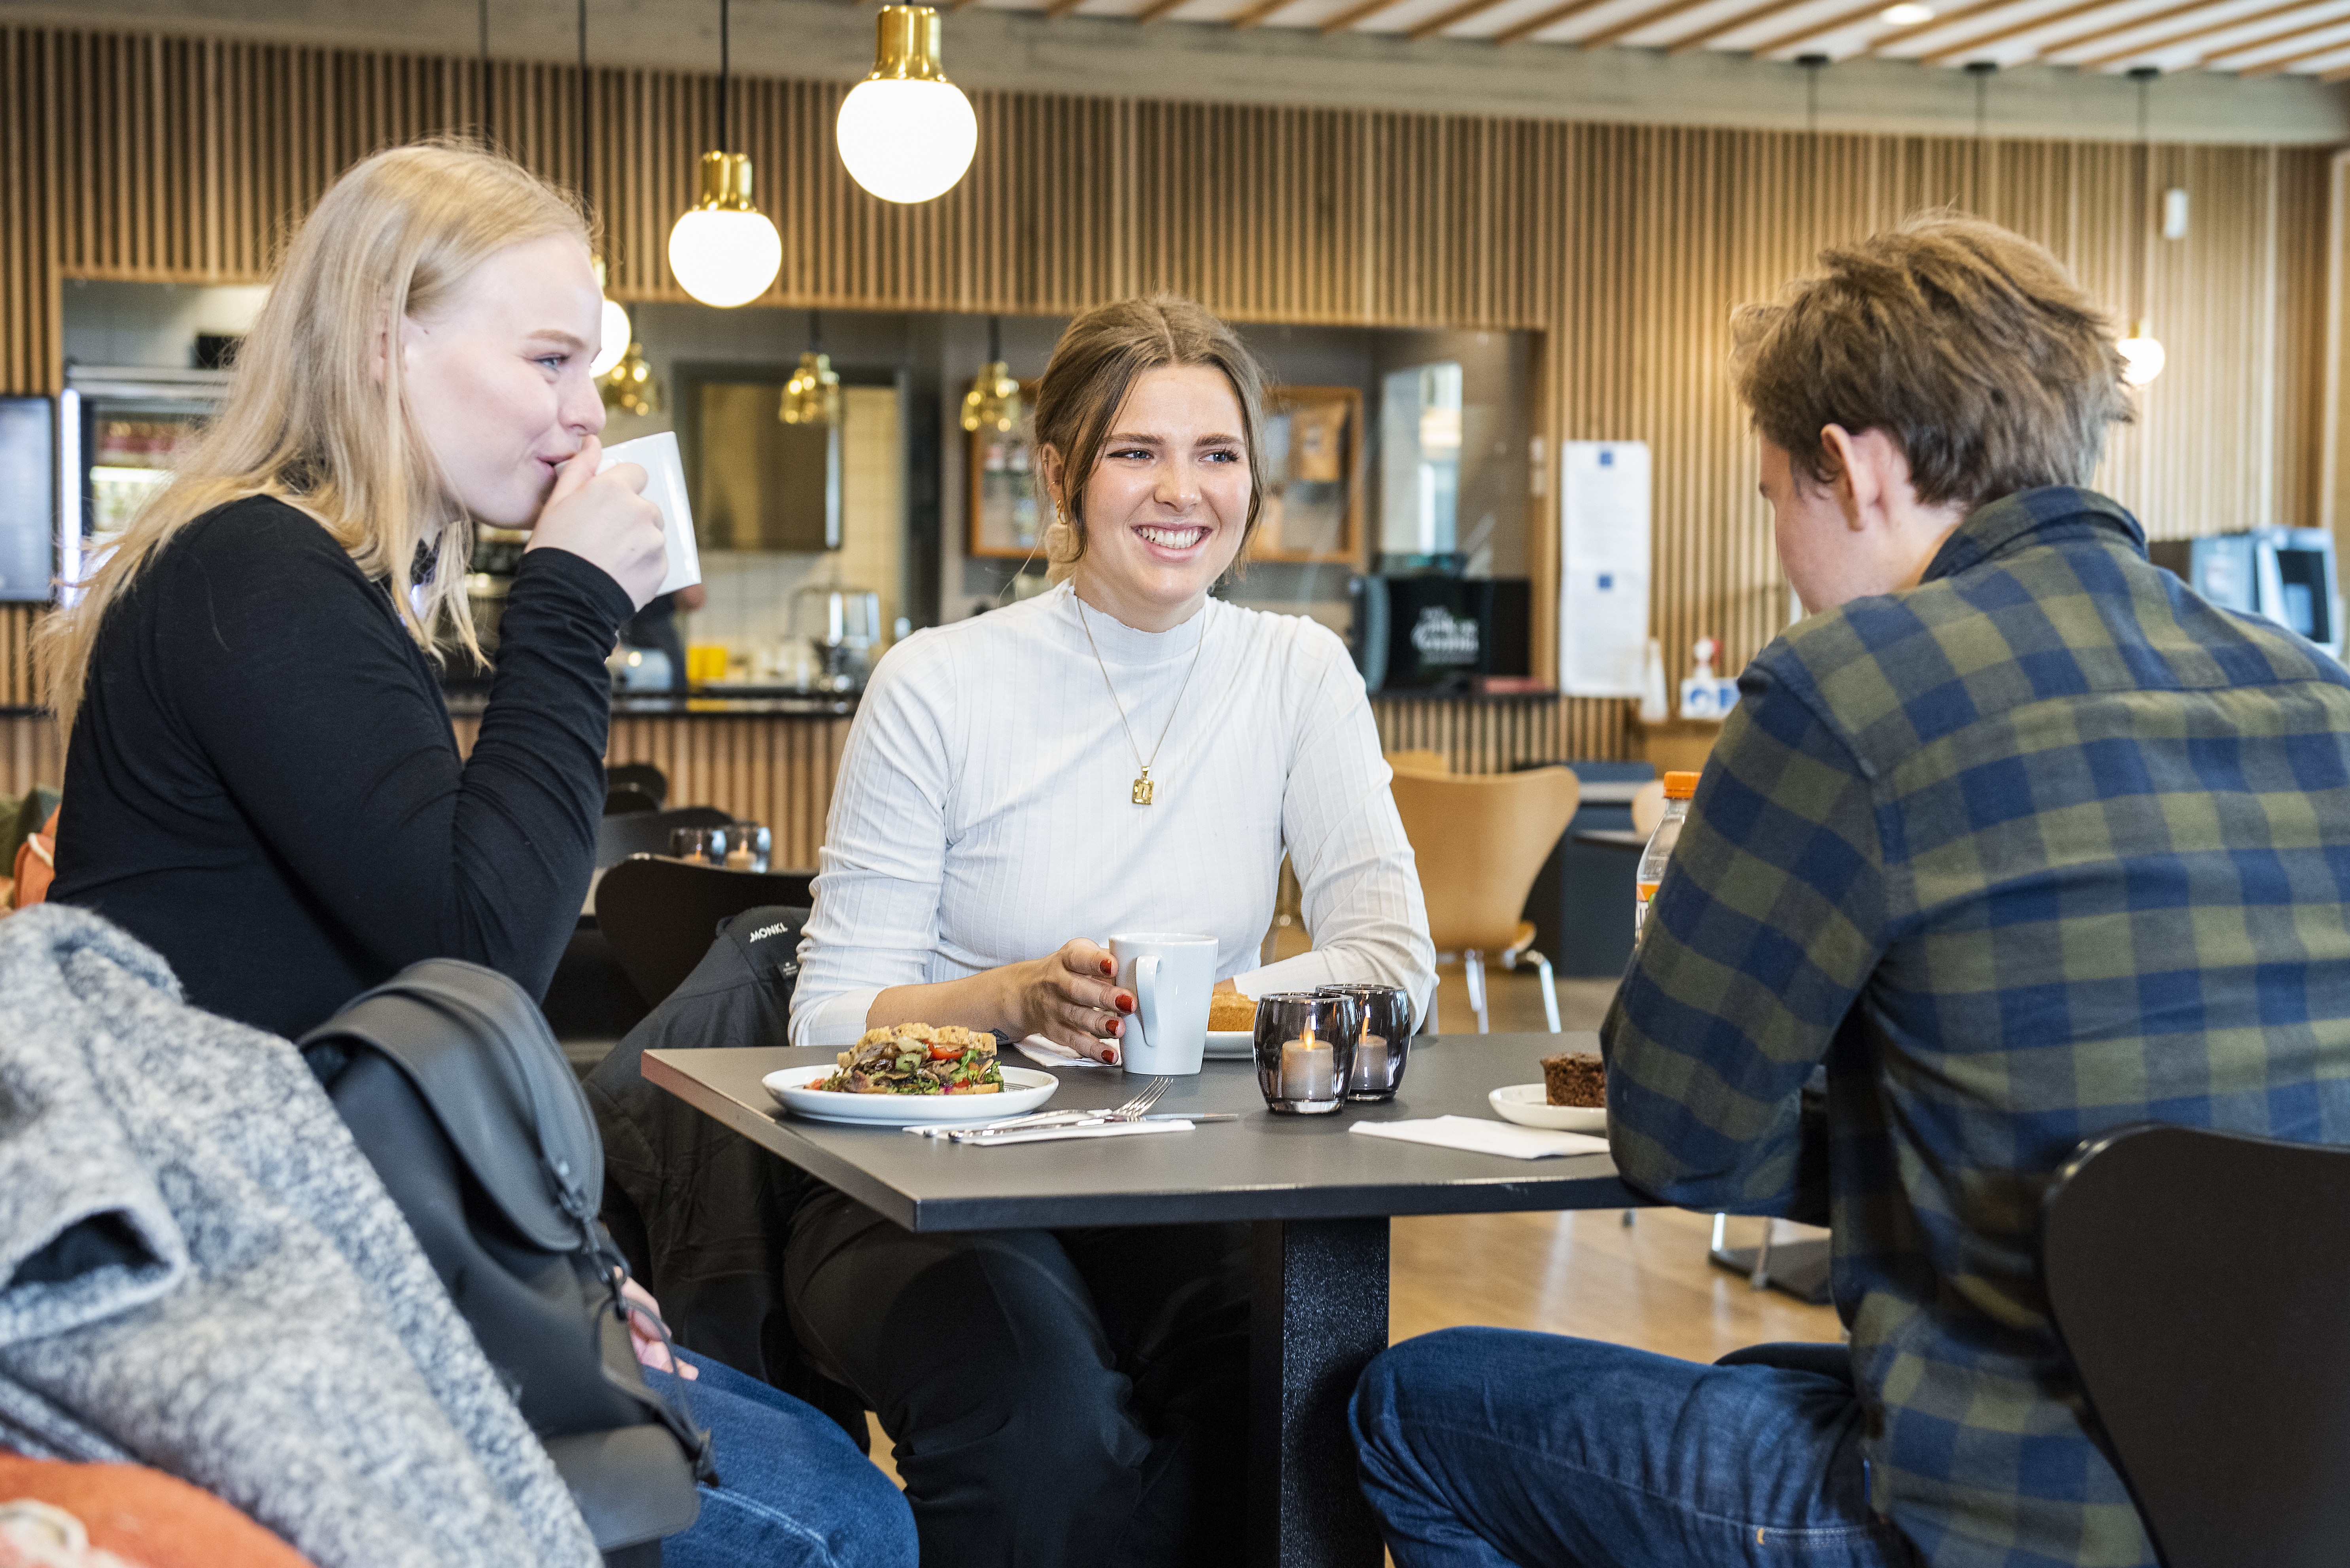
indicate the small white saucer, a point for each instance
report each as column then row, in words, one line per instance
column 1528, row 1104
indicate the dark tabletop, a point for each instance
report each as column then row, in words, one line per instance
column 1262, row 1167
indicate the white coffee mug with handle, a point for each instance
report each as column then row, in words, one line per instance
column 1171, row 975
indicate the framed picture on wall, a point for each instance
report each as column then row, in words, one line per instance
column 1313, row 463
column 1007, row 508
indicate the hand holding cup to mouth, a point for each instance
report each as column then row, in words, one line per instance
column 604, row 520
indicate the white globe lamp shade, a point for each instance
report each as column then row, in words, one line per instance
column 723, row 251
column 2142, row 354
column 906, row 133
column 616, row 340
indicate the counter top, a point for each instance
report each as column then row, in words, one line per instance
column 739, row 702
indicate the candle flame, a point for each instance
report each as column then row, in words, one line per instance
column 1306, row 1039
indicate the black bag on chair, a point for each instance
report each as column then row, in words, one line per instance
column 458, row 1094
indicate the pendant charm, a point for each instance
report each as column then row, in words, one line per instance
column 1142, row 788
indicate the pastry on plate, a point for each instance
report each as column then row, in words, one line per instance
column 919, row 1059
column 1575, row 1078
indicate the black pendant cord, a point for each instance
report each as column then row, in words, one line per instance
column 2145, row 76
column 724, row 49
column 995, row 339
column 815, row 333
column 582, row 99
column 489, row 130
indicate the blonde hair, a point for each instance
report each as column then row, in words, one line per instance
column 308, row 421
column 1971, row 345
column 1096, row 364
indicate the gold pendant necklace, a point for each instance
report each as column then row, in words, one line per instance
column 1144, row 788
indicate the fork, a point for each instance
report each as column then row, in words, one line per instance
column 1134, row 1110
column 1131, row 1111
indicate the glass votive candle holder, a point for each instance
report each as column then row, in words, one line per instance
column 708, row 845
column 1305, row 1050
column 748, row 847
column 1386, row 1038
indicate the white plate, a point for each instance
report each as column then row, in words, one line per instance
column 1230, row 1043
column 1528, row 1104
column 1025, row 1090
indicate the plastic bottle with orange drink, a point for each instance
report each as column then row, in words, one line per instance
column 1678, row 789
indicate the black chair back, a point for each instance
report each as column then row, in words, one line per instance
column 2201, row 1283
column 646, row 832
column 642, row 776
column 623, row 800
column 661, row 915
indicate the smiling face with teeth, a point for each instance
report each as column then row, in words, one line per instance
column 1167, row 505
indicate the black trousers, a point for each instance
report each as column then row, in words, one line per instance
column 1055, row 1396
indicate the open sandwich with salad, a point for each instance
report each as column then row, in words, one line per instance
column 919, row 1059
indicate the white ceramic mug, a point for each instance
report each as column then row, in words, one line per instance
column 665, row 488
column 1171, row 975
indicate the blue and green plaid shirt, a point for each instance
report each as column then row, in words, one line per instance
column 2044, row 846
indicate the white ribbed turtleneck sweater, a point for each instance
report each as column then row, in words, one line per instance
column 983, row 814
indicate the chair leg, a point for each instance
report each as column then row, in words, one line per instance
column 1549, row 986
column 1473, row 963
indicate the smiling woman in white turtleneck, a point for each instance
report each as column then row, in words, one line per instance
column 1121, row 753
column 985, row 837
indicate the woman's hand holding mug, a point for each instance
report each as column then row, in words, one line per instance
column 604, row 519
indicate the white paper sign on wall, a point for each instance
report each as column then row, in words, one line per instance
column 1604, row 562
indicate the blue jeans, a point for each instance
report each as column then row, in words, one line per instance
column 794, row 1492
column 1490, row 1447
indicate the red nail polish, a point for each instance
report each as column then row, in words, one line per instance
column 1125, row 1002
column 1117, row 1027
column 1110, row 1055
column 1109, row 968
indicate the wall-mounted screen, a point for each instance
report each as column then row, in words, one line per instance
column 28, row 498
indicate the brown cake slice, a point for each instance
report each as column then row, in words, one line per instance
column 1575, row 1078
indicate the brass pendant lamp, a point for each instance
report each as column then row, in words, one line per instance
column 723, row 251
column 812, row 396
column 906, row 133
column 992, row 402
column 2142, row 353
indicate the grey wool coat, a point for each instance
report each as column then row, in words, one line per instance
column 199, row 1271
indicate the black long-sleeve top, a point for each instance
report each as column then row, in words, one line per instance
column 263, row 783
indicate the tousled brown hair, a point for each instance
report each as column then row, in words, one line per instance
column 1095, row 366
column 1971, row 345
column 309, row 420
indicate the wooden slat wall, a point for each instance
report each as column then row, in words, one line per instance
column 774, row 770
column 1624, row 247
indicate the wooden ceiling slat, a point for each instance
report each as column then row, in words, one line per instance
column 1633, row 24
column 2270, row 68
column 2172, row 41
column 1338, row 23
column 1518, row 32
column 1150, row 13
column 1817, row 30
column 1876, row 46
column 2339, row 73
column 1972, row 47
column 1764, row 12
column 1056, row 9
column 2115, row 29
column 1457, row 15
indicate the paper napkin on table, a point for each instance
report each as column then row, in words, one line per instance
column 1053, row 1135
column 1481, row 1136
column 1045, row 1052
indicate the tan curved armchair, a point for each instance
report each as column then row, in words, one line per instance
column 1480, row 839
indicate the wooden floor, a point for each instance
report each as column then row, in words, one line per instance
column 1647, row 1284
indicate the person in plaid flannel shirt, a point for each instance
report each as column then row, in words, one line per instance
column 2018, row 837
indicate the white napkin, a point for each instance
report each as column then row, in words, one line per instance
column 1053, row 1134
column 1481, row 1136
column 1047, row 1053
column 665, row 488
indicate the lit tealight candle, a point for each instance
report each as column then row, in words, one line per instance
column 1309, row 1068
column 1371, row 1064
